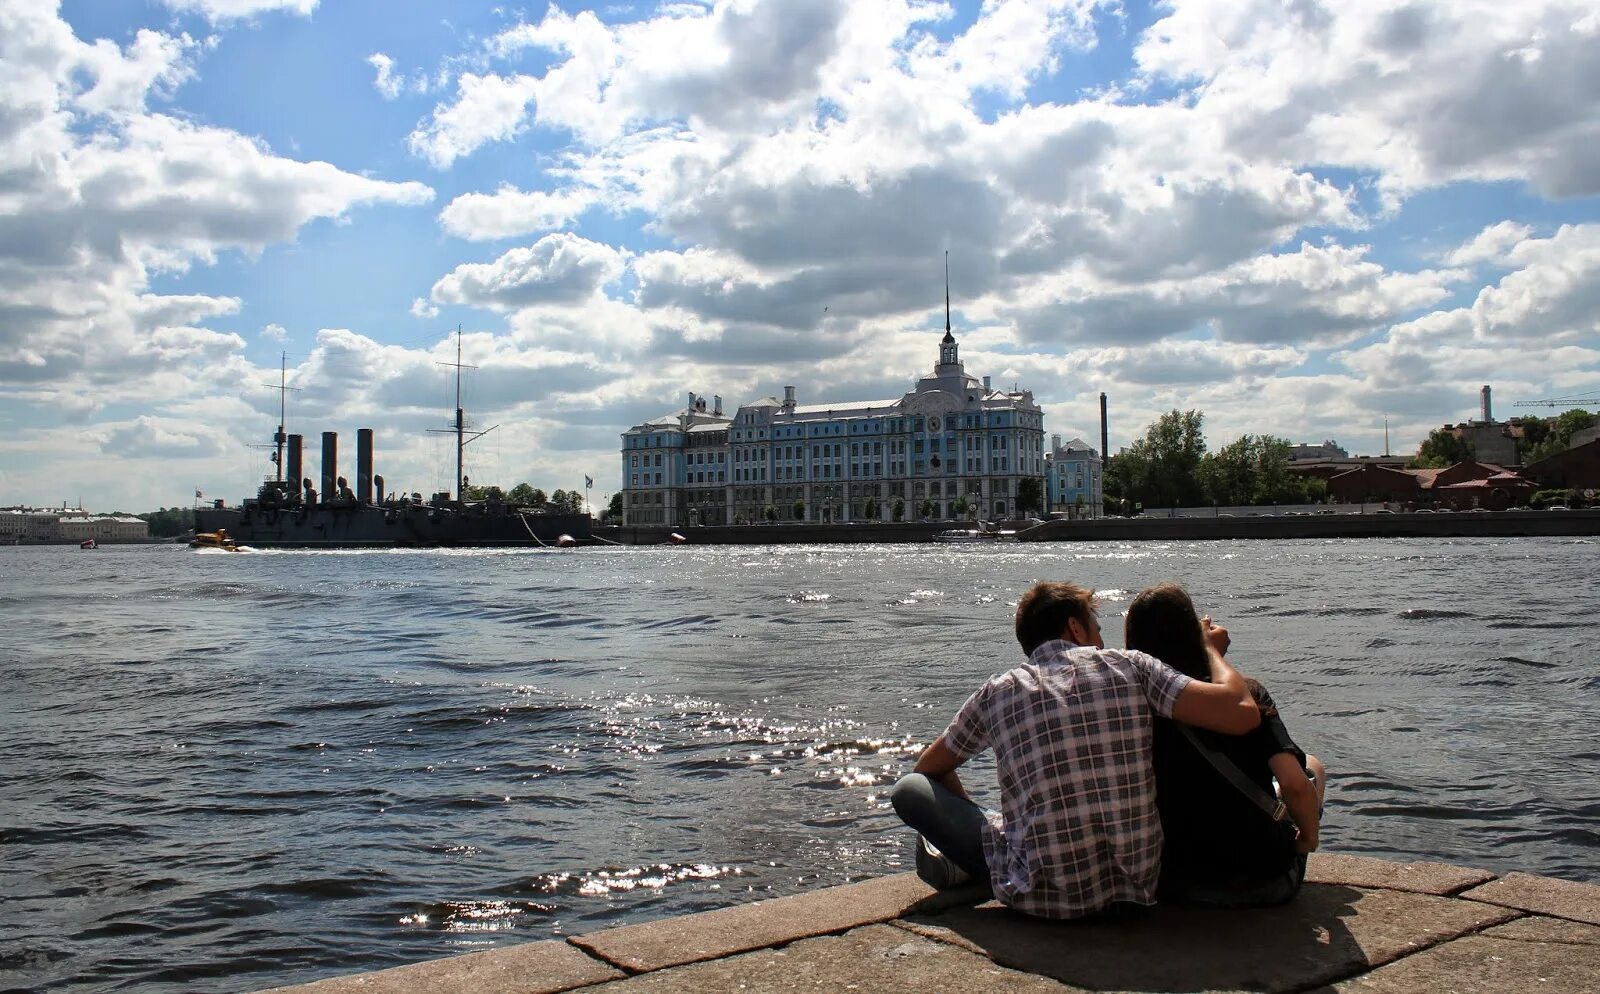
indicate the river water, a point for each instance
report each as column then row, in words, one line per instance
column 227, row 772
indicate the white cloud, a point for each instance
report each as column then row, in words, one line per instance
column 558, row 269
column 274, row 332
column 509, row 212
column 1489, row 245
column 230, row 10
column 1421, row 94
column 487, row 108
column 386, row 82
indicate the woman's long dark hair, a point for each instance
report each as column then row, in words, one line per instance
column 1162, row 621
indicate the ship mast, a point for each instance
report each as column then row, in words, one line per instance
column 280, row 438
column 460, row 427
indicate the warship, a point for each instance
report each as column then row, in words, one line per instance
column 286, row 514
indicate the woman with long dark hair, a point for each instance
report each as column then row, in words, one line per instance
column 1221, row 848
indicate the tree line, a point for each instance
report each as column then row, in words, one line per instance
column 1169, row 466
column 525, row 495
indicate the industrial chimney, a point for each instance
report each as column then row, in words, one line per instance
column 1487, row 415
column 1104, row 440
column 788, row 399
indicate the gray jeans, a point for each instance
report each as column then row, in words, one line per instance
column 953, row 824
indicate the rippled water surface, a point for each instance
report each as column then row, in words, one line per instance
column 227, row 772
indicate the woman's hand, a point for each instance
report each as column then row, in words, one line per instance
column 1216, row 636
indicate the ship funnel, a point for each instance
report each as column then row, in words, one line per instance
column 330, row 464
column 364, row 466
column 377, row 482
column 293, row 475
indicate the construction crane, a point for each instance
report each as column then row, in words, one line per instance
column 1561, row 402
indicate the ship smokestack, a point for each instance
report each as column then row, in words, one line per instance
column 330, row 465
column 296, row 465
column 1104, row 440
column 364, row 466
column 1487, row 415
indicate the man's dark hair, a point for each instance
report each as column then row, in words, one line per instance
column 1162, row 622
column 1043, row 612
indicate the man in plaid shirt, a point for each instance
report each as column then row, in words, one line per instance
column 1077, row 832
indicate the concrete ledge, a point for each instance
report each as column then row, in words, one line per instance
column 1328, row 933
column 532, row 968
column 712, row 934
column 875, row 959
column 1366, row 871
column 1542, row 895
column 1489, row 964
column 1360, row 926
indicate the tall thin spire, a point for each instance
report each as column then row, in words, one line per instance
column 947, row 291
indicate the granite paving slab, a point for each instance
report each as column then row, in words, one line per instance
column 1537, row 929
column 1489, row 963
column 1328, row 933
column 874, row 959
column 531, row 968
column 1366, row 871
column 1542, row 895
column 726, row 931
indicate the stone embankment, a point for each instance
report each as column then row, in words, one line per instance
column 1466, row 524
column 1360, row 926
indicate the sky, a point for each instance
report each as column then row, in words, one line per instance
column 1306, row 219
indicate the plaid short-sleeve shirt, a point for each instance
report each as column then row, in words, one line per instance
column 1071, row 730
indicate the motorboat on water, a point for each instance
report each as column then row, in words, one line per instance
column 214, row 540
column 88, row 543
column 975, row 535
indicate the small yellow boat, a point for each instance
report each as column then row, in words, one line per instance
column 214, row 540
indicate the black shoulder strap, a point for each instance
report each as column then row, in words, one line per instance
column 1270, row 805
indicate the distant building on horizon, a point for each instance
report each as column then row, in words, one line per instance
column 24, row 525
column 953, row 445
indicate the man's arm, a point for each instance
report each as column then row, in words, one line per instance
column 938, row 762
column 1300, row 797
column 1223, row 705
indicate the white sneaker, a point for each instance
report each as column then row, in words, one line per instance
column 938, row 870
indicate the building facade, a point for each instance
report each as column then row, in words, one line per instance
column 25, row 525
column 1073, row 479
column 951, row 448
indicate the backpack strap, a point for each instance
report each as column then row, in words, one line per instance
column 1270, row 805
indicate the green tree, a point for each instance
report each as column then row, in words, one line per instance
column 1443, row 447
column 799, row 510
column 614, row 509
column 960, row 507
column 169, row 521
column 770, row 513
column 521, row 495
column 493, row 493
column 898, row 508
column 1030, row 495
column 925, row 508
column 1558, row 434
column 566, row 502
column 872, row 509
column 1161, row 469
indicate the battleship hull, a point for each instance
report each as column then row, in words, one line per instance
column 413, row 525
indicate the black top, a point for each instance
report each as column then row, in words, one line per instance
column 1213, row 832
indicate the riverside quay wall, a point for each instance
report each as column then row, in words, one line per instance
column 1466, row 524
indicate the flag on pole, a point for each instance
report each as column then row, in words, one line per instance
column 588, row 482
column 198, row 495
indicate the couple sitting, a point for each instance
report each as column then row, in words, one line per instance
column 1107, row 797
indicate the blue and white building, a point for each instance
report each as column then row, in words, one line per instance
column 953, row 447
column 1073, row 485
